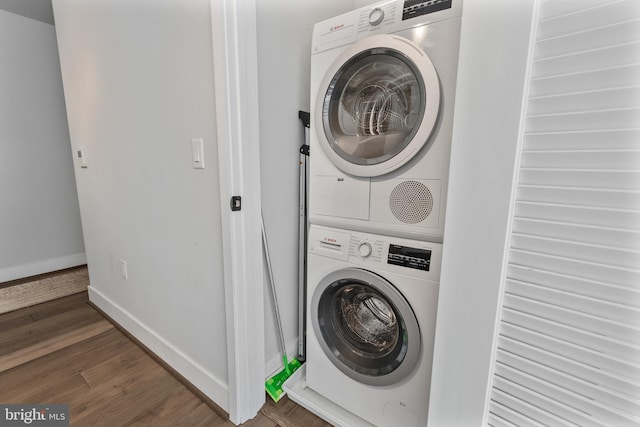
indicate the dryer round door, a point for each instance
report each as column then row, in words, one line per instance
column 379, row 102
column 366, row 327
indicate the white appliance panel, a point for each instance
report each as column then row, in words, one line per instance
column 437, row 37
column 405, row 401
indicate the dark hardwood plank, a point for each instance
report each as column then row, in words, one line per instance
column 204, row 416
column 16, row 320
column 118, row 402
column 54, row 343
column 58, row 306
column 261, row 421
column 18, row 383
column 181, row 409
column 35, row 332
column 29, row 314
column 287, row 413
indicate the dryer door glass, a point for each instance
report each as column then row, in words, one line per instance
column 373, row 106
column 367, row 328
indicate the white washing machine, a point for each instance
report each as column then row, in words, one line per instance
column 382, row 92
column 372, row 303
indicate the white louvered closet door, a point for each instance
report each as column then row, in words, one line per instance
column 568, row 350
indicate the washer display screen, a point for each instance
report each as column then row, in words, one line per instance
column 404, row 256
column 414, row 8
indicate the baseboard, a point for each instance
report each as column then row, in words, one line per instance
column 29, row 291
column 40, row 267
column 210, row 386
column 274, row 364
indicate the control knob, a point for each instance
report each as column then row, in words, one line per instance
column 365, row 249
column 376, row 16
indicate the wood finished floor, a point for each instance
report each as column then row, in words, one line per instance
column 64, row 351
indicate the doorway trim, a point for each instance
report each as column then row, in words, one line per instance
column 236, row 96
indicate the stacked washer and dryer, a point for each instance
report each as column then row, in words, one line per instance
column 382, row 86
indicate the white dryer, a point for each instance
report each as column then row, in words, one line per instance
column 372, row 303
column 382, row 91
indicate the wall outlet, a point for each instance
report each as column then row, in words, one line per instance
column 81, row 152
column 123, row 270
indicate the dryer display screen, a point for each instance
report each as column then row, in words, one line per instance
column 413, row 8
column 404, row 256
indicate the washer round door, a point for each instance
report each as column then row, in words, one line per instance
column 366, row 327
column 379, row 102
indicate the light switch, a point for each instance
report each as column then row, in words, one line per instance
column 197, row 151
column 124, row 271
column 82, row 156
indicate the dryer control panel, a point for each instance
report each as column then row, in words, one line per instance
column 384, row 17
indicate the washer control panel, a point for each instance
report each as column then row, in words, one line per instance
column 378, row 252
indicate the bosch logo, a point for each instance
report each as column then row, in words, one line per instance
column 336, row 27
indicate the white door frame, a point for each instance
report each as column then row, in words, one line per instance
column 236, row 91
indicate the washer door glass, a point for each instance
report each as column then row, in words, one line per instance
column 373, row 106
column 366, row 327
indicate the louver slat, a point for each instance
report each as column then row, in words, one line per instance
column 616, row 312
column 567, row 371
column 585, row 401
column 499, row 415
column 584, row 81
column 580, row 286
column 615, row 355
column 539, row 406
column 622, row 331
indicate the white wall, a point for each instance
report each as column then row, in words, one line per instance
column 362, row 3
column 284, row 56
column 40, row 229
column 139, row 84
column 492, row 71
column 40, row 10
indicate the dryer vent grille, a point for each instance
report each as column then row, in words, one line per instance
column 411, row 202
